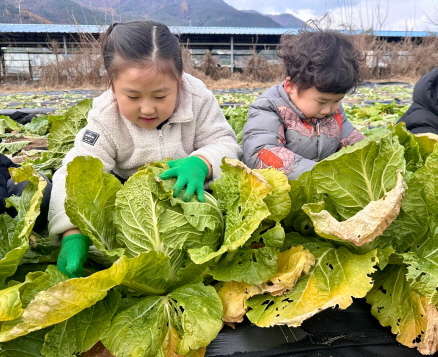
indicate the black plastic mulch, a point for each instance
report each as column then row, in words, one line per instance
column 352, row 332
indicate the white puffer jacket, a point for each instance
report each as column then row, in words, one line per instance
column 197, row 127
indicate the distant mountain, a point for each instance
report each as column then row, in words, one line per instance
column 170, row 12
column 48, row 11
column 11, row 15
column 180, row 12
column 285, row 20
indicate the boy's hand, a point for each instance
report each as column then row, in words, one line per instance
column 74, row 251
column 190, row 173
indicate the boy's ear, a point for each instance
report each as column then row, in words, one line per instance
column 289, row 87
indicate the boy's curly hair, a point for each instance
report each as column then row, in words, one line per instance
column 327, row 60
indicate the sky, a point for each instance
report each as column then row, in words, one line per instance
column 394, row 15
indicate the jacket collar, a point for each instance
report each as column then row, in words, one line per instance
column 298, row 112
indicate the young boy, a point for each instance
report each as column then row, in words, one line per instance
column 299, row 122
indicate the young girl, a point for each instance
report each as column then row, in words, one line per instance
column 151, row 111
column 301, row 121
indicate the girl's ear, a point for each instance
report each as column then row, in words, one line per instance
column 109, row 82
column 180, row 81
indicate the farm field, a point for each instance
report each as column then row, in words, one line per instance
column 360, row 226
column 372, row 105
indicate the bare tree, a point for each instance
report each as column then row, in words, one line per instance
column 433, row 19
column 363, row 17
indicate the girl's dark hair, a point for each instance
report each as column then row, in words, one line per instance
column 140, row 44
column 327, row 60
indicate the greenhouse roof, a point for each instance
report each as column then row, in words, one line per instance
column 52, row 28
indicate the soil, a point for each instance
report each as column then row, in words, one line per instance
column 35, row 144
column 236, row 81
column 98, row 350
column 225, row 83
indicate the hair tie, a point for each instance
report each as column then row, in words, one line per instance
column 111, row 27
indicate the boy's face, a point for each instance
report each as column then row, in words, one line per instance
column 145, row 97
column 312, row 102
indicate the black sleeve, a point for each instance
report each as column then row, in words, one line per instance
column 5, row 164
column 418, row 119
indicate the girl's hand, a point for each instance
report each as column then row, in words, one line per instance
column 190, row 173
column 74, row 251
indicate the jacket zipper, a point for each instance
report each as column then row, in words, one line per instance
column 161, row 140
column 317, row 132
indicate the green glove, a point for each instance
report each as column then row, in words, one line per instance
column 190, row 173
column 74, row 251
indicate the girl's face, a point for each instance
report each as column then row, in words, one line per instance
column 144, row 96
column 312, row 102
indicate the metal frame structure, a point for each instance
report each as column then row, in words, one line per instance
column 194, row 38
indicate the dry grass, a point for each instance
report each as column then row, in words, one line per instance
column 73, row 71
column 237, row 81
column 188, row 64
column 209, row 67
column 406, row 61
column 259, row 69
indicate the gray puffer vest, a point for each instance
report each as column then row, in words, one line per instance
column 277, row 134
